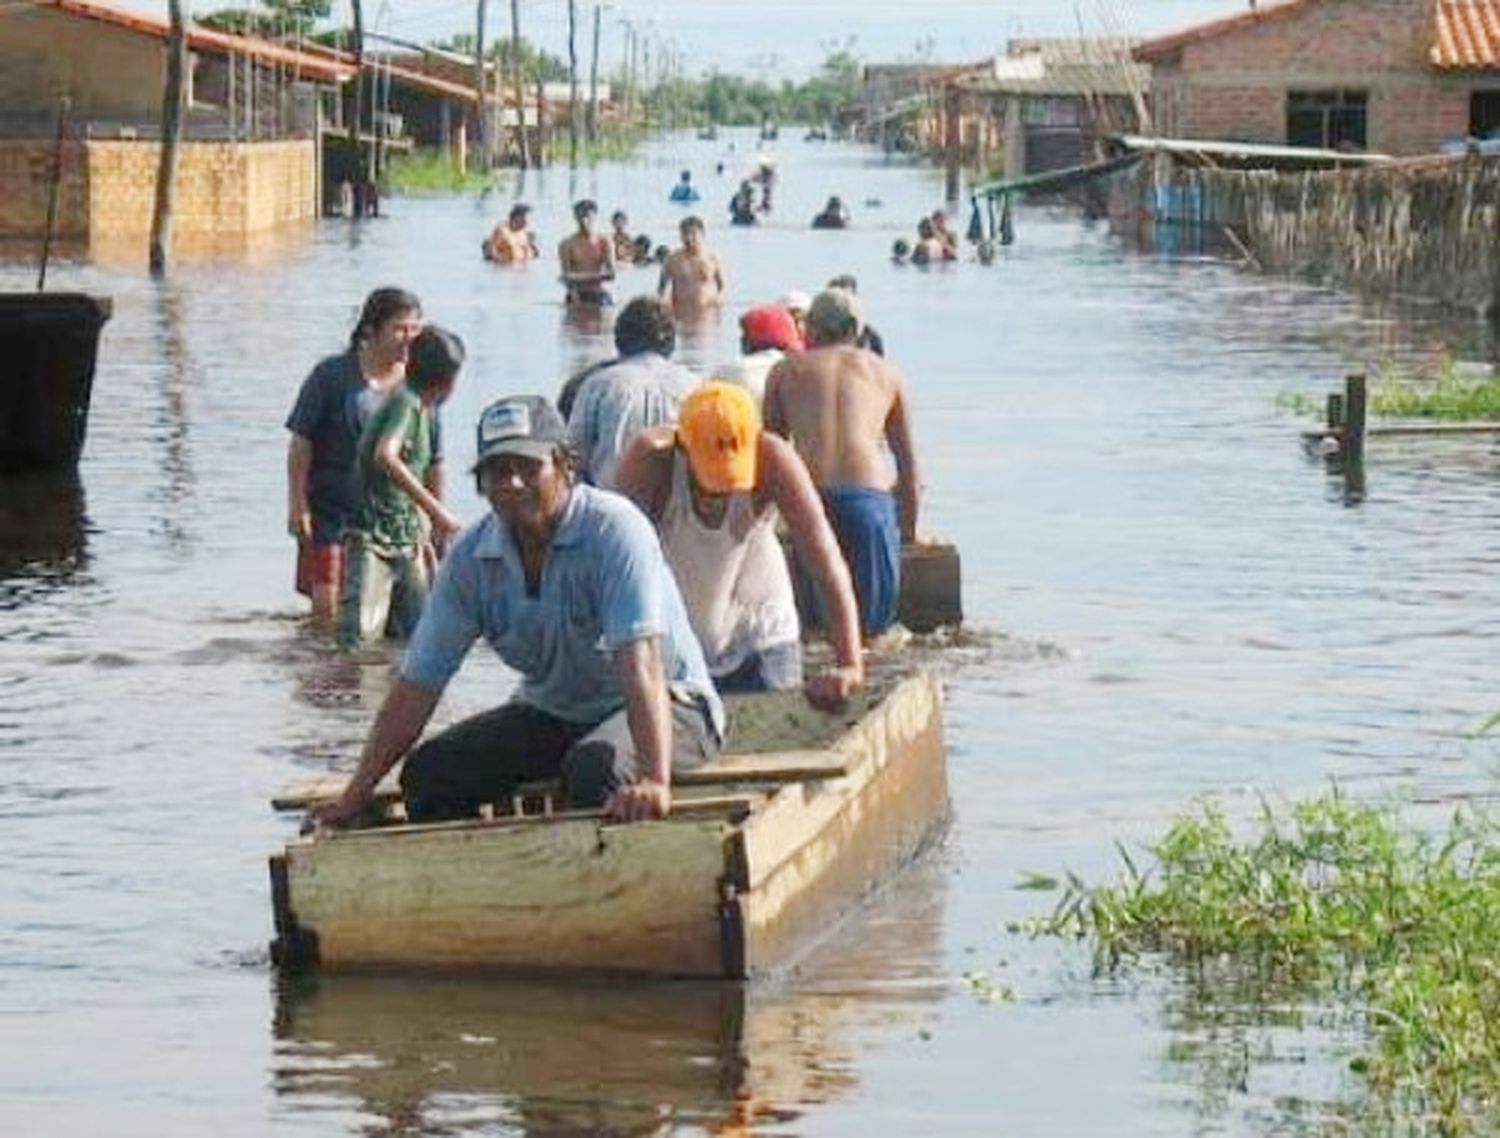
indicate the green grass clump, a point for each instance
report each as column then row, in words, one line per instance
column 1448, row 395
column 431, row 174
column 1337, row 900
column 1396, row 392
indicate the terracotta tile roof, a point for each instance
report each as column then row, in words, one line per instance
column 1468, row 35
column 206, row 41
column 1157, row 49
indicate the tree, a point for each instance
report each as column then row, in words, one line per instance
column 274, row 19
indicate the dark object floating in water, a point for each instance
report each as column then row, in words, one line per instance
column 48, row 341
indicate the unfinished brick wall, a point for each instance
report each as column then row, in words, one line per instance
column 1233, row 86
column 25, row 178
column 226, row 191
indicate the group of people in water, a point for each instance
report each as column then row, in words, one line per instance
column 654, row 539
column 691, row 276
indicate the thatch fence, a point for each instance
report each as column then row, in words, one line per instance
column 1428, row 228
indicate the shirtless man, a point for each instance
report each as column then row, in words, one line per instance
column 693, row 273
column 512, row 242
column 620, row 235
column 838, row 402
column 587, row 258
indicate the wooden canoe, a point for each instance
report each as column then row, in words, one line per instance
column 48, row 342
column 766, row 849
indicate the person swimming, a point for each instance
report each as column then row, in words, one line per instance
column 900, row 251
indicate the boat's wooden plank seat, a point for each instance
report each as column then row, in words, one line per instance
column 775, row 767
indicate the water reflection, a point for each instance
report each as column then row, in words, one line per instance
column 43, row 534
column 173, row 424
column 450, row 1056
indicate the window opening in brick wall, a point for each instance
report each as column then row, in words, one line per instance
column 1484, row 114
column 1332, row 120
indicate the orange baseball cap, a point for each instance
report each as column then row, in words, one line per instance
column 719, row 428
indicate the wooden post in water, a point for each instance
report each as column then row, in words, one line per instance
column 951, row 141
column 523, row 147
column 356, row 121
column 593, row 123
column 573, row 83
column 54, row 184
column 1354, row 419
column 481, row 125
column 171, row 136
column 1335, row 413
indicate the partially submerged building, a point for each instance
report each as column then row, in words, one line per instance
column 1399, row 76
column 1043, row 105
column 249, row 163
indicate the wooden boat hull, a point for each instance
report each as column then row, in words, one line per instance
column 731, row 886
column 48, row 342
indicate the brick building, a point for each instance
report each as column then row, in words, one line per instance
column 1395, row 76
column 249, row 160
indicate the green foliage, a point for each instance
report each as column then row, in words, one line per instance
column 272, row 19
column 733, row 100
column 1399, row 393
column 1448, row 395
column 1342, row 901
column 428, row 173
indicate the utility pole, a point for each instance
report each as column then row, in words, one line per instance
column 482, row 127
column 171, row 135
column 515, row 62
column 356, row 144
column 594, row 81
column 572, row 83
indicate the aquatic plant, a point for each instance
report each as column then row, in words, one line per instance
column 1336, row 900
column 1397, row 391
column 1448, row 394
column 430, row 173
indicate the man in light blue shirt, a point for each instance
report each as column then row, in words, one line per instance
column 643, row 388
column 569, row 587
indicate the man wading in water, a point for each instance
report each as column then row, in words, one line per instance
column 587, row 258
column 838, row 403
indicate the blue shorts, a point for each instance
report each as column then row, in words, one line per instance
column 865, row 522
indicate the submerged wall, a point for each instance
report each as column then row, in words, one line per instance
column 226, row 191
column 1428, row 229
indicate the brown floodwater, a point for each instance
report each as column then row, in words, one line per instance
column 1170, row 600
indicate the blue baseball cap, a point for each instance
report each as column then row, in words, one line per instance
column 519, row 424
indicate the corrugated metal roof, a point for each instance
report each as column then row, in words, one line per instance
column 204, row 40
column 1468, row 35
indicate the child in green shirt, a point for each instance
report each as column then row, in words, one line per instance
column 385, row 544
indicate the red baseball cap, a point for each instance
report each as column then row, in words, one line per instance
column 771, row 326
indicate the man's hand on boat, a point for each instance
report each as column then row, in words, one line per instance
column 343, row 811
column 639, row 801
column 829, row 690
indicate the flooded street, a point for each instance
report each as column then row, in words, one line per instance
column 1171, row 600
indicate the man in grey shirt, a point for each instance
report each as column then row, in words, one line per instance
column 643, row 388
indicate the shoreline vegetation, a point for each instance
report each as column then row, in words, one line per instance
column 1392, row 930
column 1450, row 393
column 431, row 173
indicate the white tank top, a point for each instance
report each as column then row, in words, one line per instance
column 733, row 577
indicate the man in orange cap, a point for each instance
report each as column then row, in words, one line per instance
column 767, row 334
column 715, row 487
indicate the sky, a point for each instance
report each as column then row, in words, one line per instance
column 778, row 39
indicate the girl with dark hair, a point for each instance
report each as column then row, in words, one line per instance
column 332, row 407
column 387, row 552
